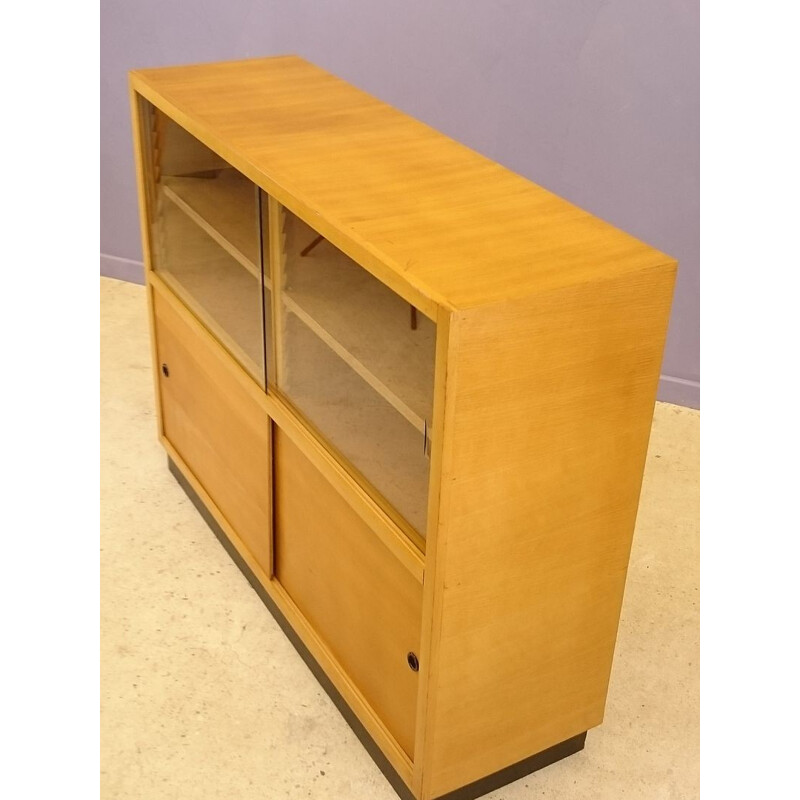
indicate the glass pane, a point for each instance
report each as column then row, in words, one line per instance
column 207, row 239
column 358, row 361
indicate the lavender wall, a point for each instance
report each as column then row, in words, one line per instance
column 597, row 100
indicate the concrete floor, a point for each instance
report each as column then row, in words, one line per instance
column 204, row 697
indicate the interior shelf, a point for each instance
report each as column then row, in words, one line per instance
column 366, row 324
column 381, row 376
column 363, row 322
column 349, row 413
column 224, row 206
column 215, row 288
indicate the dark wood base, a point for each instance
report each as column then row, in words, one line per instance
column 469, row 792
column 519, row 770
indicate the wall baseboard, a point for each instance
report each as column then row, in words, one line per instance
column 124, row 269
column 679, row 391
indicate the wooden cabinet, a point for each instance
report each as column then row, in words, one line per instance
column 413, row 392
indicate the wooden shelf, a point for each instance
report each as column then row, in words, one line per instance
column 215, row 288
column 225, row 207
column 362, row 321
column 369, row 432
column 381, row 367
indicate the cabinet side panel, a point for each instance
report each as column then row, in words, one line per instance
column 143, row 158
column 549, row 432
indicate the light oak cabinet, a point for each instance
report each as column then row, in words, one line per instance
column 412, row 392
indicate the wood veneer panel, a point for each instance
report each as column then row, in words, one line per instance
column 225, row 207
column 361, row 601
column 434, row 220
column 219, row 431
column 546, row 433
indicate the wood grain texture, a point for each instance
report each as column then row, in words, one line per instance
column 396, row 539
column 179, row 153
column 546, row 427
column 431, row 600
column 142, row 152
column 437, row 222
column 208, row 341
column 220, row 433
column 358, row 598
column 341, row 679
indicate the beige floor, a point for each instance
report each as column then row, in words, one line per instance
column 203, row 696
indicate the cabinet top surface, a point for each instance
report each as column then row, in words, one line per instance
column 457, row 227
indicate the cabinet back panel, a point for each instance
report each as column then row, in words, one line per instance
column 363, row 603
column 218, row 430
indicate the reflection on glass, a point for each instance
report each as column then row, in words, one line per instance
column 206, row 239
column 358, row 361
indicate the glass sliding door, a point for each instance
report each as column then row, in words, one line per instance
column 357, row 361
column 207, row 239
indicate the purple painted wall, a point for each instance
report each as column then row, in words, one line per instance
column 596, row 100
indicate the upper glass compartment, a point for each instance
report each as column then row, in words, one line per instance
column 352, row 357
column 207, row 239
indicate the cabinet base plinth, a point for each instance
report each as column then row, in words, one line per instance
column 519, row 770
column 469, row 792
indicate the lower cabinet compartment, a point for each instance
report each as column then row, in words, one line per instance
column 362, row 602
column 218, row 430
